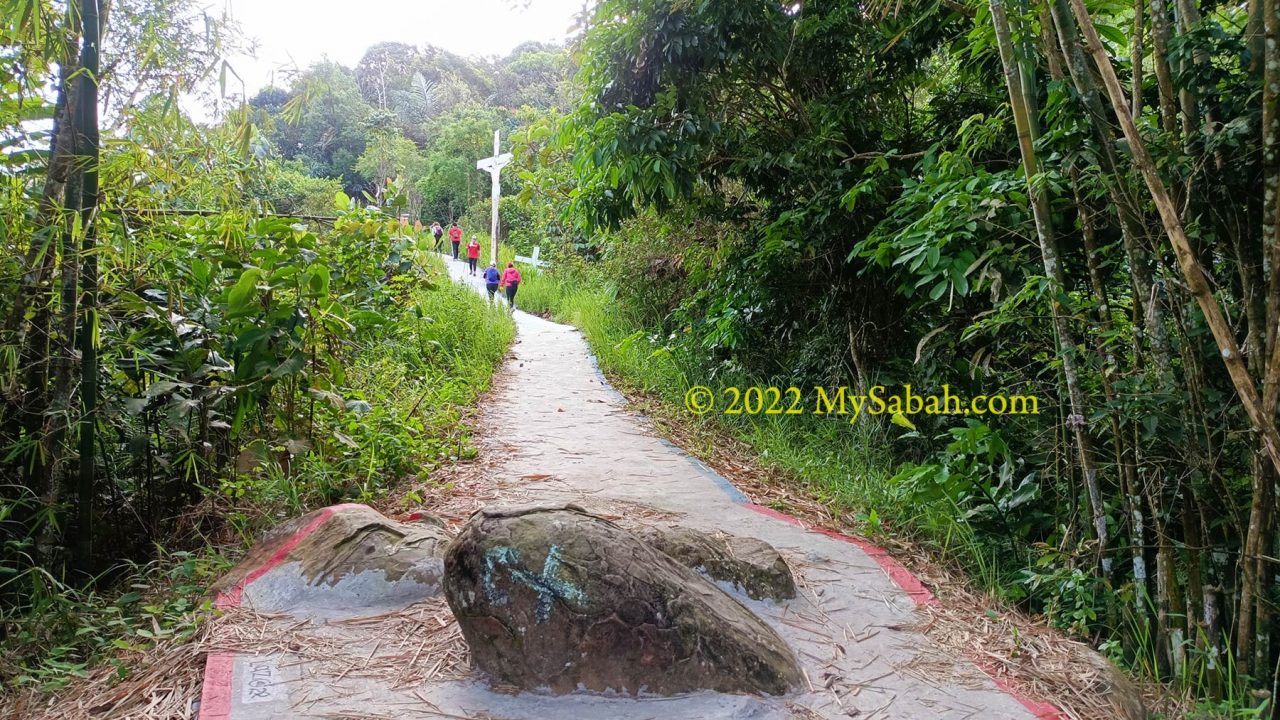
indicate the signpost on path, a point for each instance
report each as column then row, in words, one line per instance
column 493, row 166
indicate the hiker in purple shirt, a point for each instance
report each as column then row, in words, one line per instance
column 491, row 279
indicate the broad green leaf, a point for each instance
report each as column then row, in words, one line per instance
column 938, row 290
column 291, row 365
column 901, row 421
column 243, row 291
column 1112, row 33
column 318, row 278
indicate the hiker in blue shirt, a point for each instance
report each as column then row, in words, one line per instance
column 491, row 279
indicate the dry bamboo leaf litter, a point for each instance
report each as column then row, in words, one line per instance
column 166, row 683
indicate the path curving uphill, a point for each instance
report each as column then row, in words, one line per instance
column 553, row 431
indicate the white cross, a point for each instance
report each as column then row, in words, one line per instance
column 493, row 166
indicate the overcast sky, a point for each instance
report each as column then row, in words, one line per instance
column 296, row 33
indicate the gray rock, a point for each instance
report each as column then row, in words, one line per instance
column 751, row 565
column 553, row 598
column 352, row 558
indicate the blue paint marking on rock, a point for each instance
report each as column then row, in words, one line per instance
column 499, row 555
column 547, row 585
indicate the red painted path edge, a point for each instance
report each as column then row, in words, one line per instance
column 215, row 695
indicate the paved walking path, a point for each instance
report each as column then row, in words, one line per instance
column 554, row 431
column 554, row 418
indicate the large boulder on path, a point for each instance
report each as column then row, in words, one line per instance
column 753, row 566
column 341, row 560
column 555, row 599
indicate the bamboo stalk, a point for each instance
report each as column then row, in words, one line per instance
column 1017, row 82
column 1193, row 273
column 1135, row 54
column 88, row 132
column 1195, row 277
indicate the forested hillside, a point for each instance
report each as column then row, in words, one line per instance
column 210, row 326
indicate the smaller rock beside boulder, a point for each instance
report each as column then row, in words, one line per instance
column 341, row 560
column 750, row 565
column 555, row 599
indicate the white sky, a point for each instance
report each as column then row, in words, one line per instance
column 296, row 33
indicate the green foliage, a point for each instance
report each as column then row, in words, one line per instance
column 396, row 414
column 946, row 234
column 543, row 166
column 250, row 363
column 535, row 75
column 450, row 183
column 418, row 85
column 283, row 370
column 286, row 188
column 56, row 637
column 390, row 157
column 166, row 48
column 326, row 130
column 976, row 473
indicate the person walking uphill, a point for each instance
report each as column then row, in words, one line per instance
column 511, row 280
column 492, row 279
column 473, row 254
column 455, row 238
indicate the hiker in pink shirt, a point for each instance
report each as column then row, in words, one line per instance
column 473, row 254
column 511, row 280
column 437, row 232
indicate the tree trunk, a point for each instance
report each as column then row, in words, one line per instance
column 1160, row 59
column 1271, row 199
column 29, row 325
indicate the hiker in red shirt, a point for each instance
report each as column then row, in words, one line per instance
column 511, row 280
column 455, row 238
column 473, row 254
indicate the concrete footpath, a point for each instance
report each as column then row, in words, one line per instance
column 554, row 431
